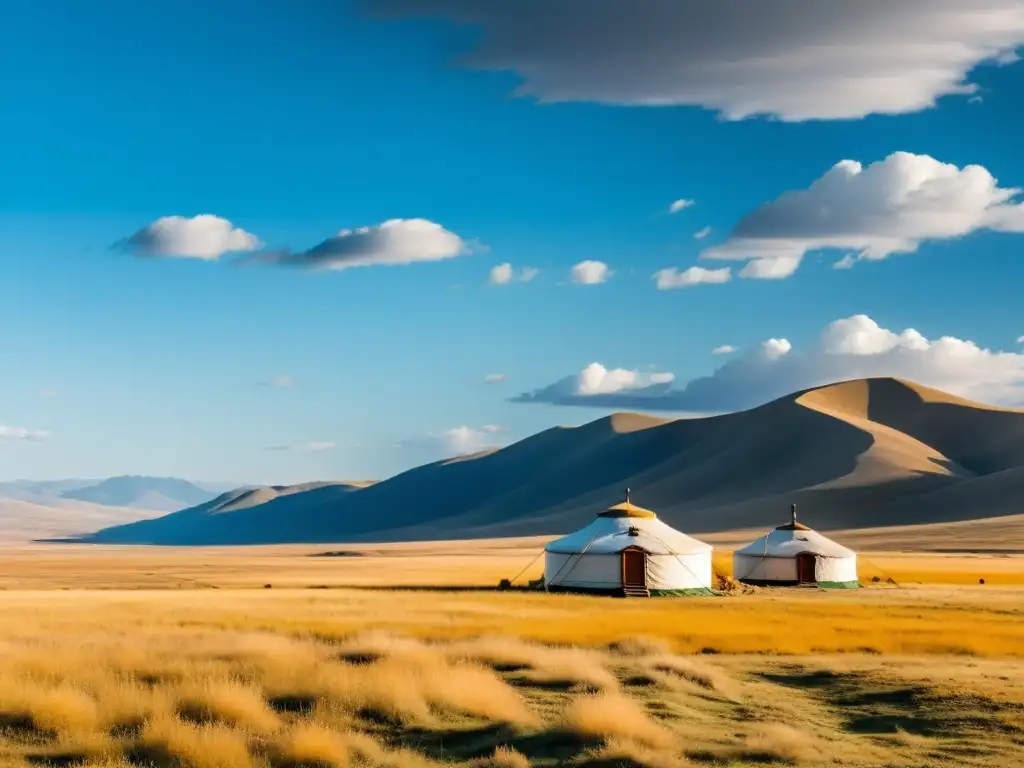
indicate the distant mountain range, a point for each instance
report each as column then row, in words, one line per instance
column 859, row 454
column 164, row 494
column 48, row 508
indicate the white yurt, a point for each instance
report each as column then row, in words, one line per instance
column 794, row 554
column 628, row 551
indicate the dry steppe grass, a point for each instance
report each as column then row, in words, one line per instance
column 443, row 564
column 199, row 697
column 230, row 674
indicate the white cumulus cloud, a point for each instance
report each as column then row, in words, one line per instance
column 457, row 441
column 890, row 206
column 503, row 274
column 848, row 348
column 595, row 379
column 21, row 433
column 205, row 237
column 846, row 59
column 773, row 349
column 670, row 278
column 679, row 205
column 394, row 242
column 590, row 273
column 725, row 349
column 461, row 441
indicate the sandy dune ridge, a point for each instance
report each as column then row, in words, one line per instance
column 868, row 453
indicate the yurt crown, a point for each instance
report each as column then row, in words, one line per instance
column 792, row 525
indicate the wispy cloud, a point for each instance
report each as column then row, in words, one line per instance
column 323, row 445
column 671, row 278
column 21, row 433
column 725, row 349
column 279, row 382
column 494, row 378
column 700, row 234
column 680, row 205
column 313, row 446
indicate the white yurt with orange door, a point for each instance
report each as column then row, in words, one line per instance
column 794, row 554
column 627, row 550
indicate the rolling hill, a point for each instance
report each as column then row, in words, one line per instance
column 860, row 454
column 31, row 509
column 22, row 521
column 161, row 494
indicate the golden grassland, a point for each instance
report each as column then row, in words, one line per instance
column 134, row 657
column 449, row 564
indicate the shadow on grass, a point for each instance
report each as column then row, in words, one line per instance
column 876, row 705
column 60, row 759
column 293, row 703
column 470, row 743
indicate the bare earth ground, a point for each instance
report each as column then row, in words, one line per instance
column 128, row 657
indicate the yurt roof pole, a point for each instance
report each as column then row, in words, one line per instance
column 535, row 559
column 577, row 555
column 764, row 553
column 862, row 559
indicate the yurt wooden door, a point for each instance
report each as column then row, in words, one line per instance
column 634, row 568
column 805, row 568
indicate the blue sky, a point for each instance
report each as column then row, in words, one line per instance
column 293, row 121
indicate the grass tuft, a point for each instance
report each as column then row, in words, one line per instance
column 308, row 745
column 172, row 742
column 228, row 703
column 569, row 667
column 642, row 645
column 614, row 716
column 503, row 757
column 62, row 711
column 622, row 753
column 697, row 673
column 779, row 743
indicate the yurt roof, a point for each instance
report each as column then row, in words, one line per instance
column 608, row 535
column 790, row 541
column 627, row 509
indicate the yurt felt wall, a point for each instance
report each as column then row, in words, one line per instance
column 603, row 571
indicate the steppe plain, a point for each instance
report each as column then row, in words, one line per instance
column 406, row 655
